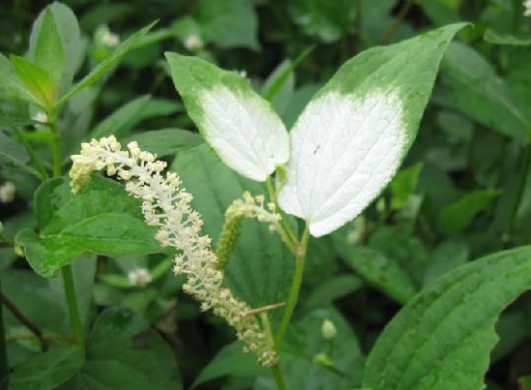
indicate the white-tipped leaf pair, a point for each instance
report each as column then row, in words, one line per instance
column 346, row 145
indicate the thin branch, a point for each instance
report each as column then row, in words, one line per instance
column 24, row 320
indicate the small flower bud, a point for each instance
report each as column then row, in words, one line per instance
column 139, row 277
column 328, row 330
column 7, row 192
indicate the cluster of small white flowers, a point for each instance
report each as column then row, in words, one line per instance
column 7, row 192
column 527, row 5
column 139, row 277
column 193, row 42
column 167, row 205
column 253, row 207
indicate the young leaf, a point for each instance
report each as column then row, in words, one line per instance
column 442, row 338
column 37, row 81
column 351, row 138
column 49, row 53
column 106, row 64
column 72, row 46
column 239, row 125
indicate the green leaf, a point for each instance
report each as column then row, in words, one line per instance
column 48, row 51
column 104, row 66
column 351, row 138
column 230, row 360
column 166, row 142
column 328, row 291
column 279, row 86
column 126, row 117
column 454, row 218
column 37, row 82
column 237, row 123
column 123, row 352
column 102, row 220
column 323, row 19
column 48, row 370
column 259, row 270
column 470, row 85
column 11, row 86
column 229, row 23
column 383, row 272
column 11, row 151
column 72, row 45
column 447, row 256
column 496, row 38
column 442, row 338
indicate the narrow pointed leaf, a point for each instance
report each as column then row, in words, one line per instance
column 351, row 138
column 238, row 124
column 443, row 337
column 107, row 64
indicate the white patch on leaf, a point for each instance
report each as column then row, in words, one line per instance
column 245, row 132
column 344, row 151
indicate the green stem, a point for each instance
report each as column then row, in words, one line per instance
column 279, row 378
column 287, row 230
column 71, row 299
column 399, row 19
column 526, row 166
column 4, row 366
column 66, row 271
column 293, row 296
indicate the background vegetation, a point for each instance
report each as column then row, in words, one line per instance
column 463, row 192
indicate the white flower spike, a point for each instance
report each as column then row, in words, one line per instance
column 167, row 205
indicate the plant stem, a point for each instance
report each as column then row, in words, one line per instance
column 359, row 24
column 4, row 365
column 293, row 296
column 292, row 239
column 526, row 165
column 66, row 271
column 24, row 320
column 279, row 378
column 71, row 299
column 399, row 19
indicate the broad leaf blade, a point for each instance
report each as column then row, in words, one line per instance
column 239, row 125
column 123, row 352
column 442, row 338
column 107, row 64
column 103, row 220
column 350, row 140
